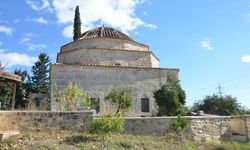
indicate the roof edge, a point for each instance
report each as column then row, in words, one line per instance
column 110, row 66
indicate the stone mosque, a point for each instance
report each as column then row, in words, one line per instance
column 104, row 58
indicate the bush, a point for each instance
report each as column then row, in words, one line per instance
column 178, row 127
column 69, row 97
column 106, row 125
column 170, row 98
column 220, row 105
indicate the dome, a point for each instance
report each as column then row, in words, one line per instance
column 104, row 32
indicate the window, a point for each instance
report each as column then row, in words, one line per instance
column 96, row 102
column 144, row 105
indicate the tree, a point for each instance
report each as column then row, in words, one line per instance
column 170, row 98
column 21, row 91
column 219, row 105
column 69, row 97
column 121, row 98
column 77, row 24
column 5, row 96
column 40, row 80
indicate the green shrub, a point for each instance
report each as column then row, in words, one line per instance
column 178, row 127
column 106, row 125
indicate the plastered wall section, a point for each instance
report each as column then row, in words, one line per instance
column 44, row 120
column 98, row 81
column 108, row 57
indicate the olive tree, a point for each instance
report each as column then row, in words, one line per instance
column 120, row 97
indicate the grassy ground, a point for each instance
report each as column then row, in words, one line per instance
column 66, row 140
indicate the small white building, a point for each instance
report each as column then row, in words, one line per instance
column 104, row 58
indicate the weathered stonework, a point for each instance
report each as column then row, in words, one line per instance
column 104, row 58
column 108, row 57
column 99, row 80
column 199, row 129
column 44, row 120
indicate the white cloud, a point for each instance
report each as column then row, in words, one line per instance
column 39, row 5
column 26, row 40
column 17, row 21
column 6, row 30
column 151, row 26
column 137, row 33
column 42, row 20
column 29, row 34
column 116, row 13
column 12, row 59
column 32, row 46
column 245, row 59
column 206, row 44
column 68, row 31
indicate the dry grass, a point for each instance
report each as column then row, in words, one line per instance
column 65, row 140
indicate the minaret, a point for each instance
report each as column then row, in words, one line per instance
column 77, row 24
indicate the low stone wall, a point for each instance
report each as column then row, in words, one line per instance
column 206, row 129
column 199, row 129
column 44, row 120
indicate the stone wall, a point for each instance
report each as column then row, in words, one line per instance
column 97, row 81
column 44, row 120
column 199, row 129
column 108, row 57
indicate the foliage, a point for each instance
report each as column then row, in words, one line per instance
column 106, row 125
column 40, row 82
column 68, row 98
column 121, row 98
column 179, row 124
column 6, row 96
column 170, row 98
column 177, row 127
column 219, row 105
column 77, row 24
column 21, row 90
column 21, row 94
column 41, row 104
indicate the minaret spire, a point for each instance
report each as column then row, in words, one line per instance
column 77, row 24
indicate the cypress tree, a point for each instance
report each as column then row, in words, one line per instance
column 77, row 24
column 40, row 78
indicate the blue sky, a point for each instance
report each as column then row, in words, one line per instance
column 208, row 40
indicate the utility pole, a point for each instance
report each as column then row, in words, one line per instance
column 220, row 90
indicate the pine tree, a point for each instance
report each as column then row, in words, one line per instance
column 40, row 79
column 77, row 24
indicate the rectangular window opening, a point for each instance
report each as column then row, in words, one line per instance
column 144, row 105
